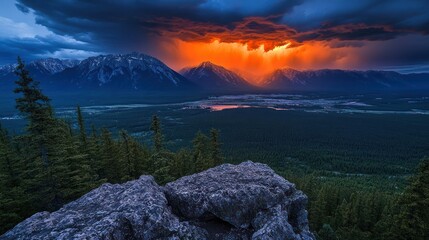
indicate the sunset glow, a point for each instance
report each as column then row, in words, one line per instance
column 255, row 63
column 251, row 39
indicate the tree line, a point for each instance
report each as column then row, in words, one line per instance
column 345, row 208
column 52, row 164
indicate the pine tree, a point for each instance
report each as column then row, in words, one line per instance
column 178, row 166
column 94, row 156
column 412, row 221
column 13, row 200
column 35, row 106
column 70, row 166
column 55, row 171
column 162, row 166
column 110, row 158
column 342, row 214
column 327, row 233
column 8, row 164
column 200, row 152
column 128, row 153
column 319, row 207
column 215, row 153
column 158, row 138
column 141, row 156
column 82, row 130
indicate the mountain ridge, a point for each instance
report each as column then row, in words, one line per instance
column 347, row 80
column 211, row 76
column 134, row 71
column 44, row 66
column 141, row 72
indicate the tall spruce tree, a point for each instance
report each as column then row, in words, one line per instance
column 158, row 138
column 8, row 163
column 412, row 221
column 13, row 200
column 55, row 170
column 202, row 161
column 215, row 153
column 110, row 158
column 82, row 130
column 70, row 166
column 35, row 106
column 181, row 164
column 128, row 155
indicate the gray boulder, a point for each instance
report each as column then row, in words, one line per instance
column 247, row 196
column 235, row 202
column 133, row 210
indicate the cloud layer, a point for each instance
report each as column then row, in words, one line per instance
column 381, row 29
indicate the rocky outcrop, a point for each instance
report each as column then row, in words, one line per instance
column 248, row 196
column 245, row 201
column 133, row 210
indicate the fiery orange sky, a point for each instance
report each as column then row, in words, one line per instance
column 253, row 63
column 253, row 39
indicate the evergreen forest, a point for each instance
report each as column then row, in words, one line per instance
column 51, row 163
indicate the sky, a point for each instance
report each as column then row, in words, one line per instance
column 251, row 37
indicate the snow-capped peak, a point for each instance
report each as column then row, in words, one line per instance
column 210, row 75
column 47, row 66
column 133, row 67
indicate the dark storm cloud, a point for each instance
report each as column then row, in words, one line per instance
column 342, row 44
column 351, row 32
column 253, row 31
column 38, row 46
column 401, row 15
column 117, row 26
column 410, row 49
column 22, row 8
column 129, row 23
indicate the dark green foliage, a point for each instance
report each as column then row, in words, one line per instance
column 162, row 166
column 349, row 208
column 51, row 164
column 82, row 130
column 327, row 233
column 158, row 138
column 11, row 194
column 32, row 104
column 352, row 143
column 201, row 154
column 134, row 156
column 215, row 145
column 411, row 221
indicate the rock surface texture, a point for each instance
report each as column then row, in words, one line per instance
column 245, row 201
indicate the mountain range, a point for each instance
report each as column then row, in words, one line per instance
column 133, row 71
column 344, row 80
column 140, row 72
column 39, row 68
column 214, row 77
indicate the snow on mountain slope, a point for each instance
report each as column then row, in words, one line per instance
column 211, row 76
column 47, row 66
column 124, row 71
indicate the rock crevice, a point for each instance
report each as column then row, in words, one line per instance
column 245, row 201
